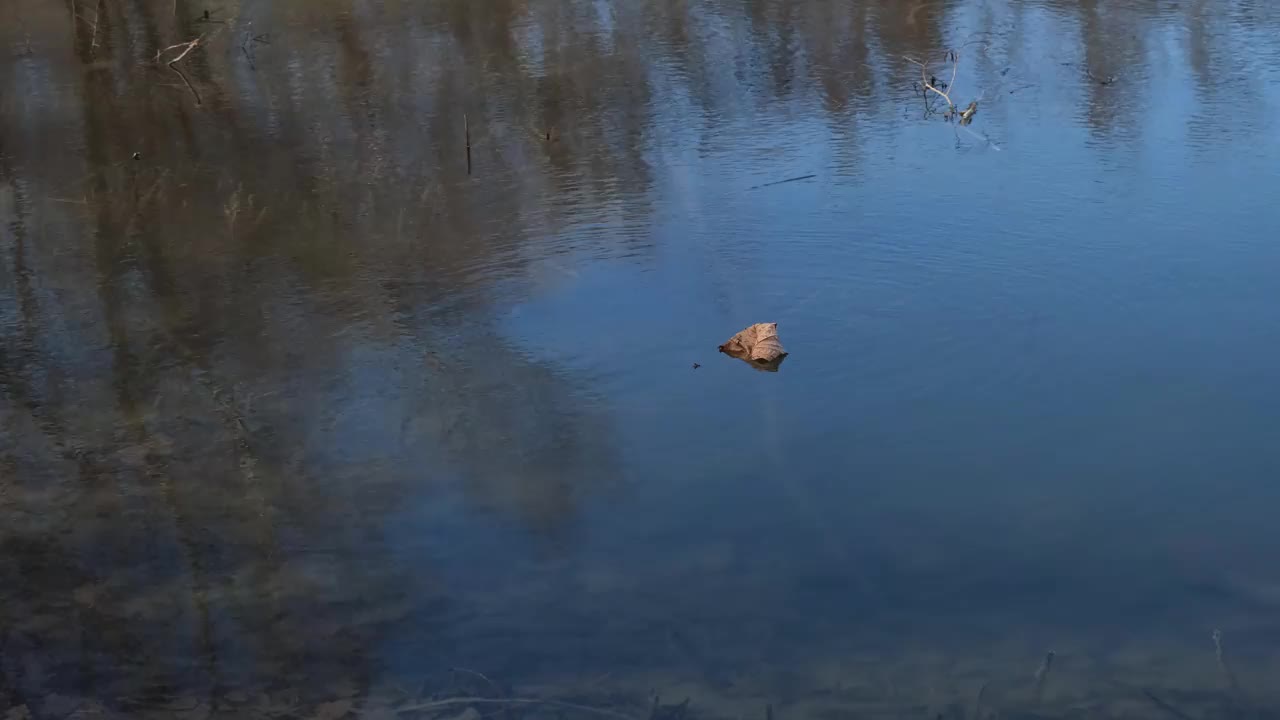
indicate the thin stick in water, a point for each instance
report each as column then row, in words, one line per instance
column 190, row 87
column 476, row 673
column 466, row 130
column 1222, row 662
column 1155, row 699
column 1043, row 674
column 97, row 16
column 779, row 182
column 438, row 704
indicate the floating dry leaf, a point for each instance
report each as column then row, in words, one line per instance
column 758, row 345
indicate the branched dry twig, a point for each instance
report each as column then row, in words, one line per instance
column 249, row 42
column 929, row 84
column 186, row 47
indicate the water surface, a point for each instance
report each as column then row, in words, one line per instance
column 296, row 400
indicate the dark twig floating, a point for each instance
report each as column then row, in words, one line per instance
column 250, row 42
column 187, row 47
column 1165, row 706
column 466, row 131
column 1104, row 82
column 779, row 182
column 1043, row 674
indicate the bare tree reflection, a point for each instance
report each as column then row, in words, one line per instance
column 238, row 340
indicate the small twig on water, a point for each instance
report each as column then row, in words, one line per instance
column 249, row 42
column 1222, row 662
column 187, row 47
column 97, row 15
column 930, row 83
column 476, row 673
column 1108, row 80
column 977, row 705
column 450, row 702
column 930, row 86
column 190, row 87
column 1155, row 700
column 505, row 710
column 1043, row 674
column 779, row 182
column 466, row 130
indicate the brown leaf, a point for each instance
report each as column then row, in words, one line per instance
column 758, row 345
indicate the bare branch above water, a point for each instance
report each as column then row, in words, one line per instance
column 931, row 86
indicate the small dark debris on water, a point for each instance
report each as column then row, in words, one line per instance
column 696, row 366
column 779, row 182
column 678, row 711
column 137, row 156
column 1005, row 71
column 1042, row 674
column 1103, row 81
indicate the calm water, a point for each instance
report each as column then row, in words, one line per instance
column 293, row 407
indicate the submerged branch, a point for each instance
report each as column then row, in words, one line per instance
column 186, row 48
column 190, row 87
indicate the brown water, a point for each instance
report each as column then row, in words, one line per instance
column 297, row 405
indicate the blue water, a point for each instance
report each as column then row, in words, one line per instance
column 293, row 401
